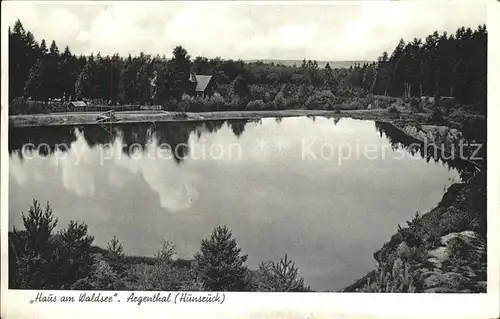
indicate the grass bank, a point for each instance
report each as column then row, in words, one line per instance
column 75, row 118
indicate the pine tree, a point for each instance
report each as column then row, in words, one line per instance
column 85, row 86
column 54, row 50
column 37, row 248
column 179, row 67
column 36, row 87
column 43, row 48
column 116, row 255
column 220, row 263
column 73, row 259
column 281, row 276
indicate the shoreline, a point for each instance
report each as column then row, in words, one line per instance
column 85, row 118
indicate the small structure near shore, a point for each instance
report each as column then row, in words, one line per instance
column 76, row 106
column 107, row 117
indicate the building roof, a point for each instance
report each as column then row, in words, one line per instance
column 78, row 103
column 202, row 82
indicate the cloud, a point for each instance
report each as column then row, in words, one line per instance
column 326, row 31
column 175, row 186
column 77, row 166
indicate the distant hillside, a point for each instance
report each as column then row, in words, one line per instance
column 321, row 64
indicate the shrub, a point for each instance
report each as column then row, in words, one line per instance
column 404, row 252
column 102, row 277
column 220, row 264
column 355, row 105
column 458, row 247
column 280, row 101
column 255, row 105
column 43, row 260
column 164, row 274
column 234, row 103
column 281, row 276
column 397, row 279
column 241, row 86
column 393, row 110
column 457, row 220
column 437, row 116
column 21, row 105
column 73, row 258
column 166, row 252
column 324, row 99
column 180, row 116
column 36, row 248
column 115, row 255
column 416, row 104
column 432, row 239
column 216, row 98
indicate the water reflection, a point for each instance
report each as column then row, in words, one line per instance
column 398, row 139
column 137, row 136
column 133, row 136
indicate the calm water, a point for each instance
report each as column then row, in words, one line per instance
column 277, row 184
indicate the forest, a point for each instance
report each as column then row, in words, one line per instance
column 441, row 65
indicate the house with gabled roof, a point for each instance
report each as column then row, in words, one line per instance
column 202, row 85
column 76, row 106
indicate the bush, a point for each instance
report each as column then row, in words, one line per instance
column 216, row 101
column 458, row 247
column 165, row 274
column 115, row 255
column 102, row 277
column 458, row 220
column 42, row 260
column 23, row 106
column 416, row 104
column 432, row 239
column 35, row 249
column 180, row 116
column 73, row 259
column 324, row 99
column 393, row 110
column 397, row 279
column 255, row 105
column 355, row 105
column 437, row 116
column 167, row 251
column 280, row 102
column 220, row 264
column 281, row 276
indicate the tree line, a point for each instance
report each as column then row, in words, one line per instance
column 441, row 65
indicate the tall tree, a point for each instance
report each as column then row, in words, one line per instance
column 220, row 263
column 179, row 66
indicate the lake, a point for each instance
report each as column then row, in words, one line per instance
column 326, row 191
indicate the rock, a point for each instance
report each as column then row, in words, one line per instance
column 450, row 279
column 438, row 256
column 468, row 236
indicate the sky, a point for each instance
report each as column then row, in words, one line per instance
column 325, row 31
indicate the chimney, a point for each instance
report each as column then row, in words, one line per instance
column 192, row 75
